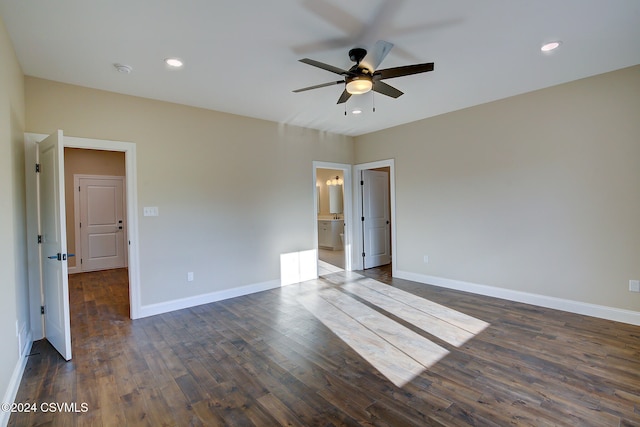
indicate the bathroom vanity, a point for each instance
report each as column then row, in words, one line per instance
column 329, row 231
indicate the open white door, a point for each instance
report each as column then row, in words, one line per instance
column 55, row 282
column 376, row 225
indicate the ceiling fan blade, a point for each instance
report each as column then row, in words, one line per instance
column 334, row 15
column 385, row 89
column 357, row 32
column 406, row 70
column 319, row 86
column 323, row 45
column 324, row 66
column 380, row 23
column 376, row 56
column 344, row 97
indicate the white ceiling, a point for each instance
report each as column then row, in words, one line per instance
column 242, row 56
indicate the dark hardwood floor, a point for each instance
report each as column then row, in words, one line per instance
column 265, row 360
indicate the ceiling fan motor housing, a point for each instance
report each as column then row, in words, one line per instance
column 357, row 54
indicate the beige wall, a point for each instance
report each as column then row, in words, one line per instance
column 85, row 162
column 537, row 193
column 13, row 251
column 233, row 193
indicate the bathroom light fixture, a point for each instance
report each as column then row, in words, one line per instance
column 358, row 85
column 336, row 181
column 174, row 62
column 548, row 47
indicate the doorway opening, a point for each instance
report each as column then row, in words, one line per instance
column 333, row 203
column 329, row 184
column 95, row 200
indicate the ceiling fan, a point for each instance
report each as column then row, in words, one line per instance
column 364, row 76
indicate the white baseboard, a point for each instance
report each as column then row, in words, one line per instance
column 179, row 304
column 14, row 382
column 577, row 307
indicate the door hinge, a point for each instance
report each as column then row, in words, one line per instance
column 42, row 309
column 362, row 219
column 362, row 254
column 39, row 238
column 37, row 167
column 361, row 182
column 80, row 260
column 78, row 188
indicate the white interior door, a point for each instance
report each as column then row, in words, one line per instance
column 55, row 283
column 376, row 224
column 102, row 223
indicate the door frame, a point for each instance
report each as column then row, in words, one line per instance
column 35, row 277
column 357, row 194
column 347, row 208
column 76, row 212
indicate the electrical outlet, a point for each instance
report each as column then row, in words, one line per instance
column 634, row 285
column 190, row 276
column 426, row 259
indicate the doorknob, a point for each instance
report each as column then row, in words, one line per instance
column 61, row 257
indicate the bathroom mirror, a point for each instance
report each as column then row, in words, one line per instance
column 335, row 199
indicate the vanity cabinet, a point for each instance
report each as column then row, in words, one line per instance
column 329, row 234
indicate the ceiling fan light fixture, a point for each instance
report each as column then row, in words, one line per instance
column 359, row 84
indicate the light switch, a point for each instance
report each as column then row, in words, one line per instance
column 150, row 211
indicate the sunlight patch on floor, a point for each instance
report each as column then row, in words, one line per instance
column 396, row 351
column 324, row 268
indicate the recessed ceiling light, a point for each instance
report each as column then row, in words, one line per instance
column 123, row 68
column 548, row 47
column 356, row 111
column 174, row 62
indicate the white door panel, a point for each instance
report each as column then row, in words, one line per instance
column 54, row 244
column 102, row 225
column 376, row 226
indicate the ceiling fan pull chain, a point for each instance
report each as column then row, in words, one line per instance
column 373, row 101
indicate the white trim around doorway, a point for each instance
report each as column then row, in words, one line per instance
column 357, row 212
column 129, row 149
